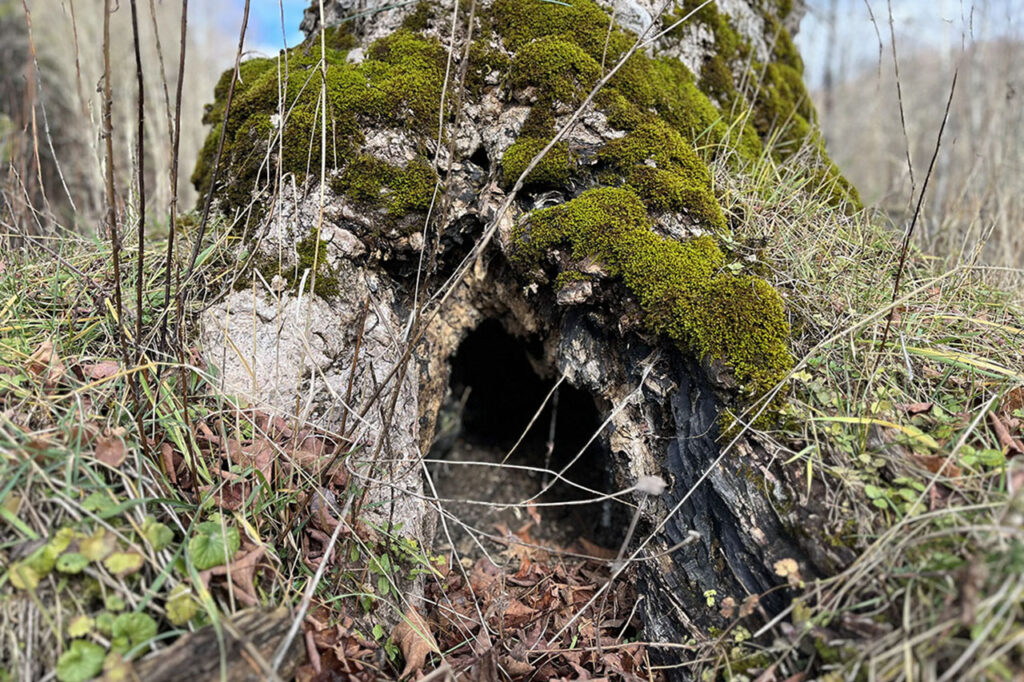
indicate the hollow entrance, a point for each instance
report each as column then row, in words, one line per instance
column 511, row 426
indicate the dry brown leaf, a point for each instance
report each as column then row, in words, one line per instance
column 515, row 668
column 101, row 370
column 1013, row 400
column 596, row 551
column 414, row 641
column 517, row 614
column 110, row 447
column 242, row 573
column 937, row 463
column 917, row 408
column 45, row 363
column 1007, row 442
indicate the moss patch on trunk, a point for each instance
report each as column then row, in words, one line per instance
column 682, row 287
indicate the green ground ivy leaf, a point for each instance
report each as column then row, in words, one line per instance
column 213, row 545
column 180, row 605
column 105, row 622
column 98, row 545
column 123, row 563
column 23, row 576
column 82, row 661
column 80, row 626
column 157, row 534
column 72, row 562
column 100, row 503
column 131, row 630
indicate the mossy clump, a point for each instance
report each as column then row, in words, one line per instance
column 311, row 256
column 663, row 169
column 339, row 38
column 559, row 69
column 682, row 287
column 397, row 85
column 370, row 181
column 519, row 22
column 418, row 20
column 827, row 180
column 553, row 170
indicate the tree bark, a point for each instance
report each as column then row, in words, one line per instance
column 727, row 518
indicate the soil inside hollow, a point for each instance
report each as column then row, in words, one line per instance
column 483, row 500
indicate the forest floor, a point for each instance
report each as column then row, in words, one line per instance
column 139, row 504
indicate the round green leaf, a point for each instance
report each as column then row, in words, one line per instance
column 72, row 562
column 213, row 545
column 105, row 622
column 97, row 546
column 82, row 661
column 100, row 503
column 180, row 605
column 157, row 534
column 123, row 563
column 134, row 628
column 23, row 576
column 80, row 626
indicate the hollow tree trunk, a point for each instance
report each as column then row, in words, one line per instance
column 606, row 252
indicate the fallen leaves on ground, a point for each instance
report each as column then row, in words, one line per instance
column 543, row 609
column 45, row 363
column 414, row 640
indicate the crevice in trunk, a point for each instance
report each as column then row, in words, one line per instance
column 498, row 383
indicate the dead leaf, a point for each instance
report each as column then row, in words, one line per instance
column 242, row 573
column 101, row 370
column 414, row 640
column 1007, row 442
column 110, row 447
column 170, row 466
column 517, row 614
column 917, row 408
column 1014, row 400
column 937, row 463
column 595, row 551
column 45, row 363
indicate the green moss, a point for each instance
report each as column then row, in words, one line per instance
column 665, row 171
column 339, row 38
column 568, row 277
column 553, row 170
column 681, row 286
column 522, row 21
column 559, row 69
column 418, row 20
column 370, row 181
column 827, row 180
column 716, row 79
column 483, row 60
column 783, row 49
column 311, row 253
column 397, row 85
column 783, row 106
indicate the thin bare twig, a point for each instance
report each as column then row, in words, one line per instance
column 175, row 154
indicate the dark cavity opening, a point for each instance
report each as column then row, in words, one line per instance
column 501, row 381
